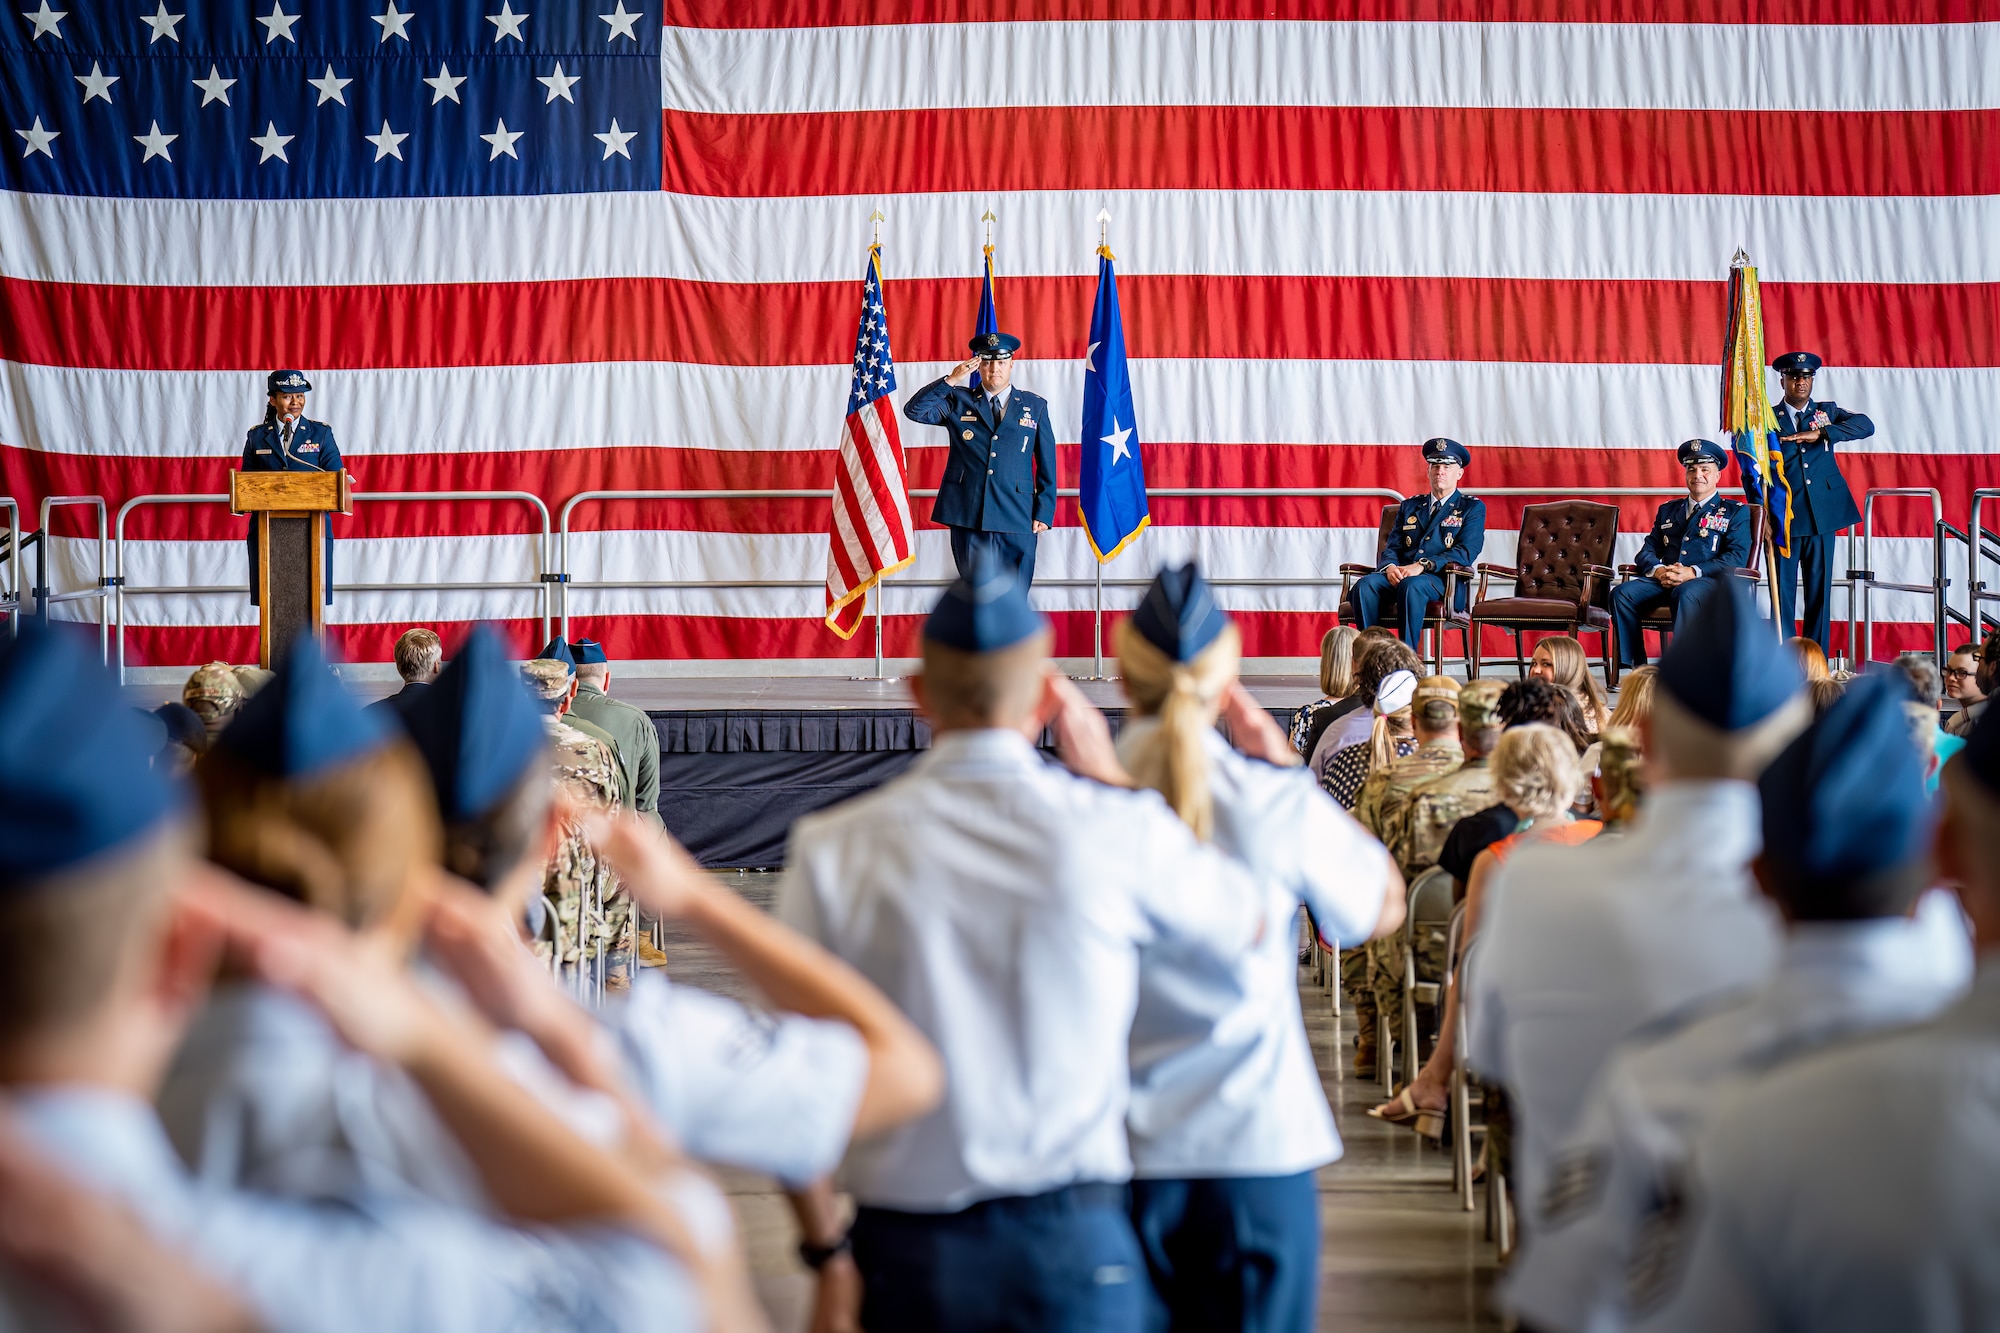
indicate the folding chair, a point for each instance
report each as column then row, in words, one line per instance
column 1430, row 908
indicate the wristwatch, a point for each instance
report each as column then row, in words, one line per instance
column 816, row 1257
column 1430, row 566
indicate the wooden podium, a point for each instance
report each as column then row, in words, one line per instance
column 291, row 509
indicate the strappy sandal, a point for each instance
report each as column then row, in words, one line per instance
column 1403, row 1110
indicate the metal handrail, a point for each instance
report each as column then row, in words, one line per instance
column 1976, row 533
column 10, row 597
column 1863, row 578
column 875, row 596
column 44, row 599
column 539, row 586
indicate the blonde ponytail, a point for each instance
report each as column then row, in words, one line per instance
column 1382, row 737
column 1185, row 696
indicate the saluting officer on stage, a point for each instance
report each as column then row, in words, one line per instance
column 288, row 442
column 1693, row 543
column 999, row 486
column 1821, row 503
column 1443, row 526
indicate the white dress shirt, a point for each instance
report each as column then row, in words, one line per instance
column 1223, row 1080
column 365, row 1263
column 774, row 1093
column 1580, row 946
column 1624, row 1165
column 1857, row 1189
column 1001, row 902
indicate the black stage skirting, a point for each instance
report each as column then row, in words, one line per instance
column 732, row 780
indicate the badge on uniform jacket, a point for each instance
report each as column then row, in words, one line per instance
column 1715, row 523
column 1453, row 521
column 965, row 434
column 1821, row 419
column 1409, row 522
column 1027, row 421
column 307, row 448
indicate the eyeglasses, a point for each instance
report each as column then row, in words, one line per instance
column 1963, row 673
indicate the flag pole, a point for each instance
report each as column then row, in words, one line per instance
column 1780, row 620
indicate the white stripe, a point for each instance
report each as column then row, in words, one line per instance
column 594, row 405
column 1224, row 553
column 866, row 508
column 256, row 243
column 896, row 519
column 1722, row 67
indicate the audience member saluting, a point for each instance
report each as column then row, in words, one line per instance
column 1582, row 945
column 1693, row 543
column 1846, row 836
column 109, row 935
column 1855, row 1188
column 1228, row 1121
column 998, row 492
column 1443, row 526
column 1002, row 904
column 1808, row 428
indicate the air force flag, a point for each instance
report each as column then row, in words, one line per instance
column 1112, row 499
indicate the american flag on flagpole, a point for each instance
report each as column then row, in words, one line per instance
column 869, row 534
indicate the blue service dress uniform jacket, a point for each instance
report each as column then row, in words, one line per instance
column 1821, row 506
column 1001, row 475
column 313, row 450
column 1714, row 539
column 1453, row 533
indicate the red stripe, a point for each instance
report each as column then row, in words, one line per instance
column 844, row 496
column 711, row 638
column 882, row 486
column 1478, row 149
column 28, row 475
column 846, row 13
column 1368, row 318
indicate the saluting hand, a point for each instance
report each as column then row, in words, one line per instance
column 1804, row 437
column 962, row 372
column 1253, row 731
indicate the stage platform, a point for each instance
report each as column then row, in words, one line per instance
column 741, row 757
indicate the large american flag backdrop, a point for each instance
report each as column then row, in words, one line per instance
column 557, row 245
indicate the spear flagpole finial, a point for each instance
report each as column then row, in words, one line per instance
column 1741, row 259
column 1104, row 232
column 876, row 218
column 988, row 218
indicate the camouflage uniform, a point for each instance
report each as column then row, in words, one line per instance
column 214, row 693
column 587, row 910
column 1414, row 833
column 1384, row 798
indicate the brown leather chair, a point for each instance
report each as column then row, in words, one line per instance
column 1562, row 579
column 1661, row 618
column 1439, row 616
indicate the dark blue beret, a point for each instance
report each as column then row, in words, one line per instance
column 1797, row 363
column 1846, row 799
column 587, row 651
column 1178, row 614
column 477, row 728
column 985, row 611
column 287, row 381
column 1441, row 450
column 1726, row 664
column 303, row 721
column 995, row 346
column 76, row 774
column 1691, row 450
column 558, row 650
column 183, row 725
column 1981, row 754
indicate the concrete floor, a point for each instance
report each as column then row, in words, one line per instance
column 1397, row 1252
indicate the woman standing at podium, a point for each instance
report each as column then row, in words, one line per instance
column 288, row 442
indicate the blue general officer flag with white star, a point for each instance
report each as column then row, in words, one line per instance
column 1112, row 497
column 302, row 99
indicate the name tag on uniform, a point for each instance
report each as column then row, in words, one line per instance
column 967, row 416
column 263, row 451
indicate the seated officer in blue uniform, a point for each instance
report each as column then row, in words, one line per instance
column 999, row 486
column 287, row 442
column 1443, row 526
column 1693, row 543
column 1808, row 428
